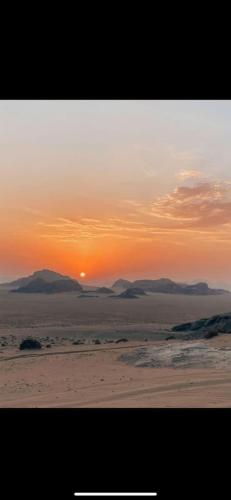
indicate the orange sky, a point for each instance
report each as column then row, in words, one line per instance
column 116, row 189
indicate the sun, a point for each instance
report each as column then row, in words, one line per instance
column 82, row 274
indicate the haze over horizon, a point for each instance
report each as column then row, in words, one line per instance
column 110, row 282
column 116, row 189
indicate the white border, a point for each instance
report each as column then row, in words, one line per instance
column 78, row 494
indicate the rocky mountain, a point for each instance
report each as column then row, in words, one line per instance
column 44, row 274
column 39, row 285
column 165, row 285
column 121, row 284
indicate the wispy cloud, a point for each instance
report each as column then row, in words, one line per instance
column 189, row 174
column 201, row 210
column 204, row 204
column 133, row 203
column 86, row 228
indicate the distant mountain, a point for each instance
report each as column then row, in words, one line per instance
column 44, row 274
column 39, row 285
column 128, row 294
column 162, row 285
column 165, row 285
column 104, row 289
column 121, row 284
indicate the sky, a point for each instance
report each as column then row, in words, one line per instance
column 116, row 189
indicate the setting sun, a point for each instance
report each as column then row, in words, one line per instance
column 82, row 274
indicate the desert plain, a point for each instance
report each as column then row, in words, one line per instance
column 111, row 352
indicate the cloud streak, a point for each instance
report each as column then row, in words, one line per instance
column 203, row 205
column 201, row 211
column 189, row 174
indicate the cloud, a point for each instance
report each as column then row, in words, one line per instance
column 188, row 174
column 83, row 228
column 74, row 231
column 201, row 211
column 132, row 203
column 204, row 204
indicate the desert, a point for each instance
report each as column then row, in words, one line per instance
column 115, row 286
column 101, row 352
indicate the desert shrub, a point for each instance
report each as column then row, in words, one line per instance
column 121, row 340
column 30, row 343
column 97, row 341
column 171, row 337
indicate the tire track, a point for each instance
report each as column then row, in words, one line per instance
column 147, row 391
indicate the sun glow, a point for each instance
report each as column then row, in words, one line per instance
column 82, row 274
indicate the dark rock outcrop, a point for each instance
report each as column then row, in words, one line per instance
column 30, row 343
column 206, row 327
column 104, row 289
column 128, row 294
column 137, row 291
column 210, row 335
column 40, row 286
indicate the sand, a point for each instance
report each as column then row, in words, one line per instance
column 89, row 375
column 97, row 377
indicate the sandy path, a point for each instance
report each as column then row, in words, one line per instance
column 64, row 352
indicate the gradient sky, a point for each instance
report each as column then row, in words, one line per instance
column 116, row 189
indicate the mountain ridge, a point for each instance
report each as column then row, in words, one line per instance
column 162, row 285
column 165, row 285
column 46, row 274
